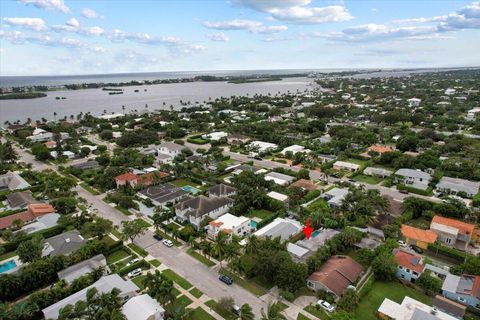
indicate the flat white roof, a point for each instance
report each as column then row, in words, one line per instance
column 411, row 309
column 296, row 250
column 346, row 164
column 277, row 196
column 229, row 221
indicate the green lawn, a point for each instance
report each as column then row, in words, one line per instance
column 182, row 301
column 7, row 255
column 178, row 279
column 282, row 305
column 199, row 257
column 117, row 233
column 173, row 226
column 200, row 314
column 108, row 241
column 184, row 182
column 117, row 255
column 367, row 179
column 155, row 263
column 89, row 189
column 260, row 213
column 176, row 292
column 317, row 204
column 145, row 223
column 318, row 312
column 123, row 210
column 362, row 163
column 225, row 314
column 138, row 250
column 139, row 281
column 394, row 290
column 196, row 293
column 248, row 285
column 302, row 317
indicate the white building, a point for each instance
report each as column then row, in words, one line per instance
column 335, row 196
column 471, row 114
column 414, row 102
column 410, row 309
column 261, row 146
column 170, row 148
column 143, row 307
column 230, row 224
column 295, row 149
column 279, row 178
column 455, row 185
column 348, row 166
column 111, row 116
column 278, row 196
column 415, row 178
column 215, row 136
column 164, row 158
column 450, row 91
column 379, row 172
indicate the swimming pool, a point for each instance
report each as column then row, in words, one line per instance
column 191, row 189
column 7, row 266
column 315, row 233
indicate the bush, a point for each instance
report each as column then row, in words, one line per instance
column 139, row 264
column 427, row 192
column 287, row 295
column 449, row 252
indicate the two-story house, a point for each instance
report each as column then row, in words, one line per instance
column 453, row 233
column 196, row 209
column 230, row 224
column 170, row 148
column 410, row 265
column 415, row 178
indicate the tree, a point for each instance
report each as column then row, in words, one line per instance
column 226, row 304
column 407, row 143
column 384, row 266
column 246, row 312
column 132, row 229
column 160, row 287
column 430, row 284
column 274, row 312
column 40, row 151
column 219, row 248
column 348, row 301
column 65, row 205
column 98, row 228
column 30, row 250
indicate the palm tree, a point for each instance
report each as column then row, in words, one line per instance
column 220, row 245
column 160, row 287
column 252, row 245
column 274, row 312
column 246, row 312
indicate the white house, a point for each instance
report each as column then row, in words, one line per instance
column 228, row 223
column 279, row 178
column 261, row 146
column 450, row 91
column 379, row 172
column 414, row 102
column 471, row 114
column 170, row 148
column 416, row 178
column 455, row 185
column 163, row 158
column 348, row 166
column 410, row 309
column 215, row 136
column 295, row 149
column 143, row 307
column 278, row 196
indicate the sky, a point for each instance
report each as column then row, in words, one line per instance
column 69, row 37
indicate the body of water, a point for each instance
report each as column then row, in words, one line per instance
column 96, row 101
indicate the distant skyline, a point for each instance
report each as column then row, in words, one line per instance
column 56, row 37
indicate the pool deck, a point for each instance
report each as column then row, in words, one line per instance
column 17, row 262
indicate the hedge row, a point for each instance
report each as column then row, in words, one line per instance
column 46, row 233
column 449, row 252
column 427, row 192
column 139, row 264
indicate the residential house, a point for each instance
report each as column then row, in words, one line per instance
column 377, row 172
column 237, row 139
column 304, row 184
column 325, row 158
column 410, row 309
column 414, row 178
column 347, row 166
column 335, row 197
column 335, row 275
column 41, row 223
column 456, row 186
column 261, row 146
column 45, row 136
column 50, row 144
column 20, row 199
column 409, row 265
column 103, row 285
column 12, row 181
column 34, row 211
column 278, row 196
column 230, row 224
column 163, row 194
column 222, row 190
column 464, row 289
column 414, row 102
column 280, row 227
column 279, row 178
column 419, row 237
column 143, row 307
column 215, row 136
column 377, row 149
column 294, row 149
column 163, row 158
column 134, row 179
column 448, row 306
column 453, row 233
column 82, row 268
column 170, row 148
column 239, row 168
column 90, row 164
column 63, row 244
column 196, row 209
column 472, row 113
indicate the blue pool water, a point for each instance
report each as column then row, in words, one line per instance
column 191, row 189
column 315, row 233
column 9, row 265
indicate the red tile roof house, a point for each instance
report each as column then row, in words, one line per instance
column 34, row 211
column 335, row 275
column 133, row 179
column 410, row 265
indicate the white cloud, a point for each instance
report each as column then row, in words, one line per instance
column 91, row 14
column 37, row 24
column 270, row 29
column 233, row 25
column 299, row 11
column 73, row 23
column 47, row 4
column 219, row 37
column 92, row 31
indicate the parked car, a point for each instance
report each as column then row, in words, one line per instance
column 403, row 191
column 415, row 248
column 236, row 309
column 132, row 261
column 325, row 305
column 135, row 273
column 226, row 279
column 168, row 243
column 157, row 237
column 402, row 243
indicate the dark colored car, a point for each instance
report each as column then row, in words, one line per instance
column 226, row 279
column 257, row 158
column 403, row 191
column 157, row 237
column 416, row 249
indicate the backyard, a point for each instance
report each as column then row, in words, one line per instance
column 260, row 213
column 367, row 179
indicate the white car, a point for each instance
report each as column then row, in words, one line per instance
column 132, row 261
column 402, row 243
column 168, row 243
column 325, row 305
column 135, row 273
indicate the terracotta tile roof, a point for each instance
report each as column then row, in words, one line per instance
column 380, row 149
column 409, row 260
column 304, row 184
column 463, row 227
column 38, row 209
column 144, row 179
column 25, row 216
column 418, row 234
column 50, row 144
column 128, row 176
column 337, row 273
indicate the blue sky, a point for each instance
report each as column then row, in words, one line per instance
column 60, row 37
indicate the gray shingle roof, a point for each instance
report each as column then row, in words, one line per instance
column 20, row 199
column 12, row 181
column 163, row 193
column 202, row 205
column 64, row 243
column 221, row 190
column 413, row 173
column 470, row 187
column 77, row 270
